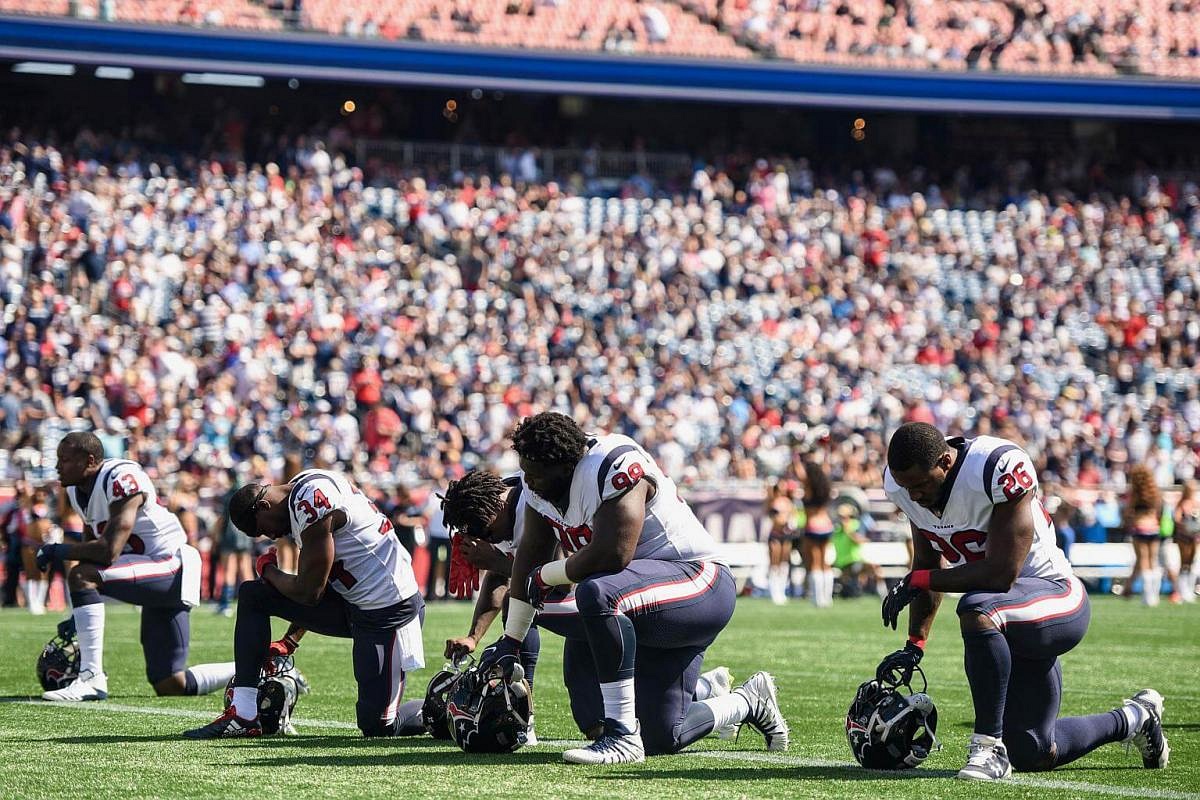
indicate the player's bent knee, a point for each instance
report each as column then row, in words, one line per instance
column 376, row 730
column 971, row 621
column 591, row 598
column 169, row 686
column 250, row 593
column 1028, row 753
column 83, row 577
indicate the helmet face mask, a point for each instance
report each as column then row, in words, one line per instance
column 488, row 711
column 280, row 685
column 433, row 711
column 889, row 729
column 58, row 664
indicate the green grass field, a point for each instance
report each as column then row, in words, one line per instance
column 130, row 747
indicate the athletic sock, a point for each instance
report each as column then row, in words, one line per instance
column 245, row 702
column 619, row 702
column 827, row 588
column 1187, row 586
column 89, row 627
column 37, row 590
column 728, row 709
column 1151, row 585
column 704, row 689
column 204, row 678
column 1078, row 736
column 227, row 595
column 988, row 663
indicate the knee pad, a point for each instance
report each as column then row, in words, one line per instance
column 1028, row 753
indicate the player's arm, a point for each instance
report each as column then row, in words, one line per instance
column 488, row 605
column 308, row 585
column 1010, row 535
column 924, row 606
column 122, row 514
column 616, row 528
column 536, row 548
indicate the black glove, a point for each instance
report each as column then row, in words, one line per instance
column 505, row 649
column 897, row 599
column 49, row 554
column 897, row 668
column 536, row 589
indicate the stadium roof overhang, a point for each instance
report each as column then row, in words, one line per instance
column 309, row 56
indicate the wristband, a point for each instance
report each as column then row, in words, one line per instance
column 554, row 573
column 917, row 641
column 520, row 618
column 919, row 579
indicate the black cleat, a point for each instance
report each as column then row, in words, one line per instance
column 227, row 726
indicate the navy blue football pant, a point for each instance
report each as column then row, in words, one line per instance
column 1036, row 621
column 651, row 621
column 156, row 585
column 376, row 649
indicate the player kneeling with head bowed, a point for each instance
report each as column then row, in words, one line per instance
column 348, row 546
column 487, row 512
column 974, row 505
column 138, row 553
column 649, row 590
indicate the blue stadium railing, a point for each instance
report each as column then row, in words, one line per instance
column 328, row 58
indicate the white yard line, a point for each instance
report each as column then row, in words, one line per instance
column 716, row 755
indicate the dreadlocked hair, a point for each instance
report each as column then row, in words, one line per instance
column 473, row 502
column 549, row 438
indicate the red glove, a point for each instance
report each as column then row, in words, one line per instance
column 464, row 576
column 269, row 557
column 284, row 647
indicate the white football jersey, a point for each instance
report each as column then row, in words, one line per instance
column 989, row 471
column 371, row 569
column 510, row 546
column 610, row 467
column 156, row 531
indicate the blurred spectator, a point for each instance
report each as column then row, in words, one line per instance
column 438, row 537
column 781, row 538
column 1142, row 518
column 1187, row 530
column 857, row 574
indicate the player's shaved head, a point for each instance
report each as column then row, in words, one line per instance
column 550, row 438
column 241, row 508
column 915, row 444
column 85, row 443
column 473, row 502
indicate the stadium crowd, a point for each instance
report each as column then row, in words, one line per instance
column 212, row 320
column 1155, row 37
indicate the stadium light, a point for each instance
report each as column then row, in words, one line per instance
column 224, row 79
column 43, row 68
column 114, row 73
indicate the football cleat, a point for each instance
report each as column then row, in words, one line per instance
column 765, row 716
column 987, row 760
column 1148, row 737
column 617, row 745
column 227, row 726
column 88, row 686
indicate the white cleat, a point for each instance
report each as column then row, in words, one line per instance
column 765, row 716
column 617, row 745
column 1148, row 737
column 987, row 760
column 88, row 686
